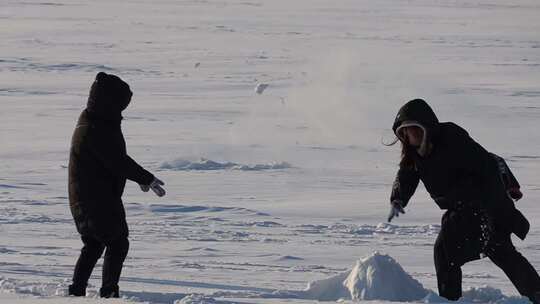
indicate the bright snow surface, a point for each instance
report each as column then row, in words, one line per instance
column 266, row 193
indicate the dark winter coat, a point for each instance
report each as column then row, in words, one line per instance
column 99, row 164
column 456, row 169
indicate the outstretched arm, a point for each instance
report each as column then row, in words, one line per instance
column 404, row 185
column 403, row 188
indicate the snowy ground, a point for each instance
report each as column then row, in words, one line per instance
column 271, row 188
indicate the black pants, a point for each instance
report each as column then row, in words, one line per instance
column 115, row 254
column 449, row 259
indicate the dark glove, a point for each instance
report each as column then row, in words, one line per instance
column 515, row 193
column 396, row 207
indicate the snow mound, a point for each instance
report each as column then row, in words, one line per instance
column 207, row 165
column 375, row 277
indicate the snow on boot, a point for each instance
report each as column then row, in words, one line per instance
column 77, row 291
column 109, row 292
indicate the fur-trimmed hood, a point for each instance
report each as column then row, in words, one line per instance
column 417, row 113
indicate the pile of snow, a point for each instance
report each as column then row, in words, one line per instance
column 380, row 277
column 376, row 277
column 206, row 164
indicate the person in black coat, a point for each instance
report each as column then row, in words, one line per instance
column 475, row 187
column 98, row 168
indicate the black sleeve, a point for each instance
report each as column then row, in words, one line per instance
column 110, row 150
column 404, row 185
column 506, row 174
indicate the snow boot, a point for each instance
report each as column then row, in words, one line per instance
column 76, row 291
column 109, row 292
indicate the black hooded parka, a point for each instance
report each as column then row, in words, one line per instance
column 456, row 168
column 99, row 164
column 465, row 180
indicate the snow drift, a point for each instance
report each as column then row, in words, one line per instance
column 375, row 277
column 206, row 164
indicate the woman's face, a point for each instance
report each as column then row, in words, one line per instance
column 414, row 135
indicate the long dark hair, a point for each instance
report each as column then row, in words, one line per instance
column 407, row 152
column 407, row 160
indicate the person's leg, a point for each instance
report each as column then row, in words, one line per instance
column 448, row 274
column 112, row 266
column 518, row 269
column 90, row 253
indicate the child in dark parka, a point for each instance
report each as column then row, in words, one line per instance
column 98, row 169
column 475, row 187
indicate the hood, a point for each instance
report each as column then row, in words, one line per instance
column 109, row 96
column 417, row 113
